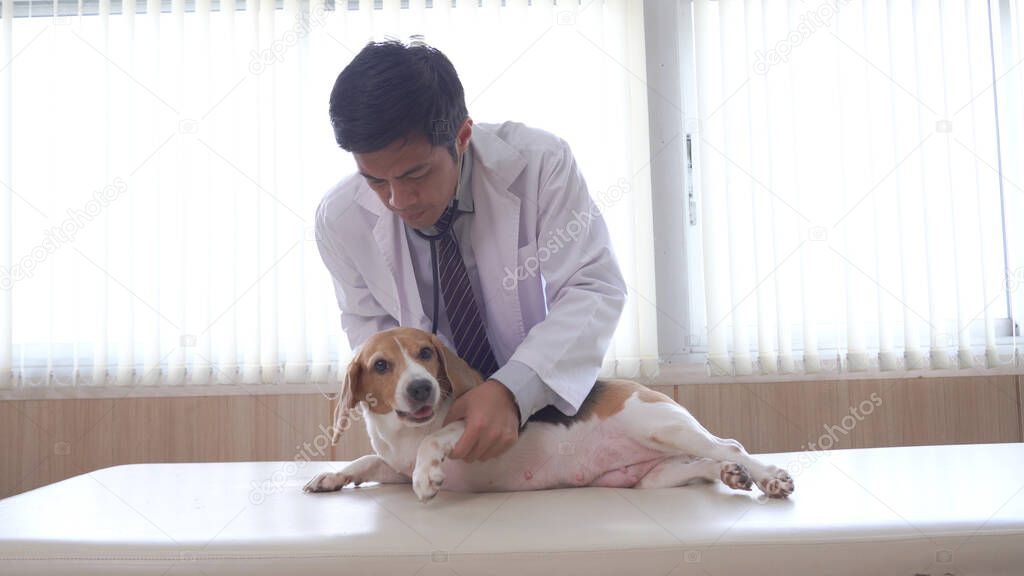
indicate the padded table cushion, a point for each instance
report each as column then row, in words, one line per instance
column 924, row 510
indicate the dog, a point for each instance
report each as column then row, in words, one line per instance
column 404, row 380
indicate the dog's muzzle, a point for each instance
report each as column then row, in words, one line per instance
column 420, row 396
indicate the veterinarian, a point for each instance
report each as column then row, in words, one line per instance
column 482, row 233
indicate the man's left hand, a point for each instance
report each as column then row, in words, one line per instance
column 492, row 422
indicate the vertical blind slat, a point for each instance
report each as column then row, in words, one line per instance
column 6, row 197
column 875, row 124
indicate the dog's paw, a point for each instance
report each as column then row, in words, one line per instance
column 427, row 481
column 778, row 484
column 328, row 482
column 736, row 476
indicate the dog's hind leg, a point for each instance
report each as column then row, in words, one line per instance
column 683, row 469
column 676, row 431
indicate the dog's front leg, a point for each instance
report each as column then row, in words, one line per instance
column 427, row 477
column 369, row 468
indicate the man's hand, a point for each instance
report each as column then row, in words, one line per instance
column 492, row 422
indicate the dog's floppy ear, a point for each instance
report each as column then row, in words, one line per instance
column 459, row 375
column 346, row 399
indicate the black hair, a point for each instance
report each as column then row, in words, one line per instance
column 392, row 90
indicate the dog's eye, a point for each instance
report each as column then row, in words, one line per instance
column 426, row 353
column 381, row 366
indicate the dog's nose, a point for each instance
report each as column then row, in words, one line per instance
column 419, row 390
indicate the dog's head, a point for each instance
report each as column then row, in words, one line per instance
column 405, row 373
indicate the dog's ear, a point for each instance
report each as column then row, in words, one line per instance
column 458, row 375
column 346, row 399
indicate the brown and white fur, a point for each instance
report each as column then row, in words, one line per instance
column 404, row 380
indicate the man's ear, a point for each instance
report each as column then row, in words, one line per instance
column 459, row 375
column 463, row 135
column 346, row 399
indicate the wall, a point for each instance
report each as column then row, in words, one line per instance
column 44, row 441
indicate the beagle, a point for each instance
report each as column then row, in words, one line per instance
column 404, row 380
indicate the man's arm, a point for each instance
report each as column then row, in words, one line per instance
column 529, row 391
column 361, row 315
column 584, row 287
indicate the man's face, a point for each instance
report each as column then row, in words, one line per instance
column 413, row 178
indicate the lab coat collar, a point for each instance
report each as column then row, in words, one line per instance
column 496, row 165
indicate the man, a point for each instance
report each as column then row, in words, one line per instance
column 487, row 231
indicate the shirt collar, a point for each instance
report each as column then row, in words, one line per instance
column 463, row 191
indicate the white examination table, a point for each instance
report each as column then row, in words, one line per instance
column 936, row 510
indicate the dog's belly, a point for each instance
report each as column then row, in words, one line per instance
column 592, row 453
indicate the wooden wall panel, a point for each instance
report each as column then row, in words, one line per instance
column 791, row 416
column 941, row 411
column 43, row 441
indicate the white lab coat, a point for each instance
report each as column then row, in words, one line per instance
column 552, row 288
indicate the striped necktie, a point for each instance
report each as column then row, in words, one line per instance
column 463, row 315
